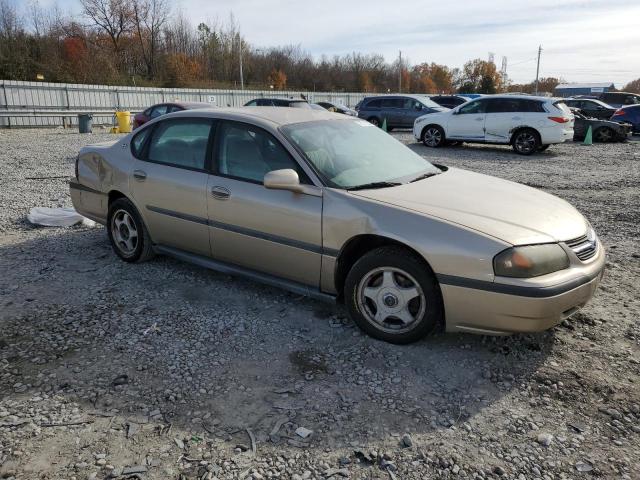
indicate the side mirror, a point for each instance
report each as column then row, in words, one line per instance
column 285, row 179
column 418, row 107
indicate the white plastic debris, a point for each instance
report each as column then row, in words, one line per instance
column 57, row 217
column 303, row 432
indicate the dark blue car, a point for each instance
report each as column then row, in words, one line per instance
column 629, row 114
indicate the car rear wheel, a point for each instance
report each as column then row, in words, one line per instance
column 433, row 136
column 526, row 141
column 603, row 134
column 374, row 121
column 393, row 296
column 127, row 233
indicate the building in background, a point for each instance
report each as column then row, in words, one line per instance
column 571, row 89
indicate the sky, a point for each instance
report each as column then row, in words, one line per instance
column 582, row 40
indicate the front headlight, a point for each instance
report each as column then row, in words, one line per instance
column 530, row 261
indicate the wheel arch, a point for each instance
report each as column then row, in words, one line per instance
column 433, row 125
column 515, row 130
column 361, row 244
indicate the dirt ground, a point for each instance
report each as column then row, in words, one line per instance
column 164, row 370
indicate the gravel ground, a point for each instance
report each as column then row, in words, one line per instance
column 167, row 371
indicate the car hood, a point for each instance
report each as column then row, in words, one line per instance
column 509, row 211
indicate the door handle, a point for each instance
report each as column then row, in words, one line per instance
column 139, row 174
column 479, row 119
column 220, row 193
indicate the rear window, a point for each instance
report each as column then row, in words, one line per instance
column 300, row 105
column 376, row 103
column 562, row 106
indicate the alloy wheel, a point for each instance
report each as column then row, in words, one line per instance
column 432, row 137
column 604, row 135
column 391, row 299
column 525, row 142
column 124, row 232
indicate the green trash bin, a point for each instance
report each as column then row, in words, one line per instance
column 85, row 122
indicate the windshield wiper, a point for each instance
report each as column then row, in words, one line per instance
column 366, row 186
column 422, row 177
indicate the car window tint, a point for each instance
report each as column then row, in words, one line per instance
column 174, row 108
column 159, row 110
column 138, row 141
column 479, row 106
column 180, row 142
column 531, row 106
column 248, row 153
column 252, row 103
column 374, row 103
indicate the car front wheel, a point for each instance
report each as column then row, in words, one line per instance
column 603, row 135
column 127, row 233
column 393, row 296
column 526, row 142
column 433, row 136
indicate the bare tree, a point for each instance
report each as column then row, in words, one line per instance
column 149, row 16
column 112, row 16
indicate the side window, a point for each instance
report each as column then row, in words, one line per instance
column 180, row 143
column 377, row 103
column 138, row 141
column 252, row 103
column 248, row 153
column 479, row 106
column 159, row 110
column 533, row 106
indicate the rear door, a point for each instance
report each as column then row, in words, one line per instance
column 275, row 232
column 503, row 114
column 169, row 183
column 393, row 112
column 468, row 121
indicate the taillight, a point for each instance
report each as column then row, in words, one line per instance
column 620, row 111
column 560, row 119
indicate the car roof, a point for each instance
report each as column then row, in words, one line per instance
column 193, row 104
column 277, row 116
column 520, row 97
column 399, row 95
column 284, row 99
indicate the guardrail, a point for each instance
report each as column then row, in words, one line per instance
column 60, row 101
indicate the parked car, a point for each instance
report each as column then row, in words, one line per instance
column 399, row 111
column 591, row 108
column 336, row 107
column 528, row 123
column 601, row 130
column 620, row 99
column 449, row 101
column 163, row 108
column 278, row 102
column 333, row 208
column 629, row 114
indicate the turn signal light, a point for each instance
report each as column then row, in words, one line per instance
column 560, row 119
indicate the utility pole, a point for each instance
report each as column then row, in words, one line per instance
column 400, row 72
column 241, row 75
column 538, row 67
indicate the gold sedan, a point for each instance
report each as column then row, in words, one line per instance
column 334, row 208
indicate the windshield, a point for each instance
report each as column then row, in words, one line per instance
column 351, row 153
column 300, row 105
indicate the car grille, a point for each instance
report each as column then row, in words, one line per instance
column 583, row 247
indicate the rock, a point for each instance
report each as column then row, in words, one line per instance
column 134, row 470
column 545, row 439
column 303, row 432
column 179, row 443
column 498, row 470
column 583, row 466
column 406, row 441
column 342, row 472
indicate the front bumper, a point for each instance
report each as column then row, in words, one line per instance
column 477, row 310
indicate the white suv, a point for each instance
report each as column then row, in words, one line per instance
column 528, row 123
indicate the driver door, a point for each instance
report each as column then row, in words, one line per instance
column 276, row 232
column 468, row 122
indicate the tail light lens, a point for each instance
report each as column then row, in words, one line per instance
column 619, row 111
column 560, row 119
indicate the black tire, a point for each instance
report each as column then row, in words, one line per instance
column 407, row 273
column 543, row 148
column 389, row 129
column 121, row 238
column 604, row 135
column 526, row 141
column 433, row 136
column 374, row 121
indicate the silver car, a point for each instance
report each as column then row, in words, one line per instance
column 334, row 208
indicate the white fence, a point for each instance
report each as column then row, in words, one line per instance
column 34, row 104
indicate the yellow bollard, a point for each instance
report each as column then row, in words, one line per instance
column 124, row 121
